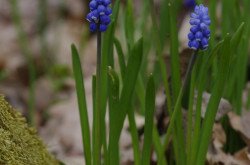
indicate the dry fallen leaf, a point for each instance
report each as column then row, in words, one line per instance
column 219, row 136
column 221, row 158
column 243, row 155
column 215, row 154
column 241, row 124
column 223, row 109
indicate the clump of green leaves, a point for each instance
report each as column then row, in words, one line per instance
column 220, row 70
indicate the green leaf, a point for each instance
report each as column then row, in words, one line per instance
column 149, row 121
column 176, row 83
column 129, row 24
column 164, row 21
column 113, row 148
column 121, row 56
column 107, row 52
column 217, row 92
column 237, row 36
column 107, row 59
column 134, row 135
column 133, row 67
column 131, row 76
column 94, row 92
column 108, row 37
column 160, row 152
column 174, row 53
column 139, row 85
column 212, row 8
column 77, row 69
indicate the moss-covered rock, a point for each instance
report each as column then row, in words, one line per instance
column 19, row 143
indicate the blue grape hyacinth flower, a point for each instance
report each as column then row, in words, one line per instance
column 99, row 15
column 189, row 3
column 199, row 31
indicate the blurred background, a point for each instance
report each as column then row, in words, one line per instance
column 36, row 73
column 36, row 35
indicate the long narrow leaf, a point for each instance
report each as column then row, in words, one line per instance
column 132, row 71
column 214, row 101
column 149, row 121
column 121, row 56
column 113, row 148
column 77, row 69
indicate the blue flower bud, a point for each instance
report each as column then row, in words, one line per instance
column 103, row 27
column 108, row 11
column 93, row 5
column 95, row 15
column 194, row 29
column 193, row 15
column 198, row 36
column 194, row 21
column 101, row 9
column 204, row 43
column 189, row 3
column 105, row 19
column 199, row 31
column 89, row 17
column 203, row 26
column 99, row 2
column 191, row 36
column 93, row 27
column 206, row 33
column 194, row 44
column 107, row 2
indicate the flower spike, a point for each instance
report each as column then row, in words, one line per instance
column 99, row 15
column 189, row 3
column 199, row 31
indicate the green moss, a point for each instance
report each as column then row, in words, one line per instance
column 19, row 143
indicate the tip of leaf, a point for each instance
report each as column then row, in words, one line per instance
column 73, row 46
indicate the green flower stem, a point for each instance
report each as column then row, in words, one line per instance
column 97, row 111
column 178, row 101
column 189, row 70
column 23, row 41
column 190, row 117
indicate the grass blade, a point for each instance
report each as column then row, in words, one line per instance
column 77, row 69
column 113, row 148
column 129, row 24
column 214, row 101
column 24, row 45
column 202, row 79
column 131, row 75
column 160, row 152
column 237, row 36
column 121, row 58
column 149, row 120
column 107, row 59
column 190, row 116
